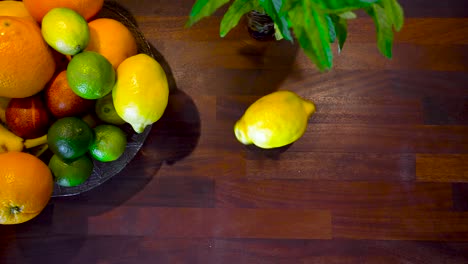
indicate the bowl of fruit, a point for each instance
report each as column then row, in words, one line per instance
column 79, row 91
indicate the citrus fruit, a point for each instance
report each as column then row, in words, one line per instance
column 105, row 111
column 111, row 39
column 275, row 120
column 27, row 186
column 27, row 61
column 141, row 92
column 14, row 8
column 109, row 143
column 62, row 101
column 65, row 30
column 27, row 117
column 90, row 75
column 86, row 8
column 73, row 173
column 69, row 138
column 4, row 101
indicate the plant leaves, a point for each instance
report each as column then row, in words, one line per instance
column 384, row 30
column 341, row 29
column 348, row 15
column 272, row 8
column 340, row 6
column 278, row 35
column 331, row 28
column 289, row 5
column 311, row 29
column 394, row 12
column 203, row 8
column 234, row 14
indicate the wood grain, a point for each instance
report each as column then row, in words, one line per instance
column 401, row 225
column 331, row 166
column 222, row 223
column 446, row 168
column 378, row 177
column 334, row 195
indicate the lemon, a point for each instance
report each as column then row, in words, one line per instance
column 65, row 30
column 275, row 120
column 141, row 92
column 90, row 75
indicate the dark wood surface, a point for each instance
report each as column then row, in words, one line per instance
column 380, row 176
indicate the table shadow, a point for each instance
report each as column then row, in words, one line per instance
column 271, row 60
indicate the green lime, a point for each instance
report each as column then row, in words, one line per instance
column 105, row 110
column 109, row 143
column 65, row 30
column 69, row 137
column 69, row 174
column 90, row 75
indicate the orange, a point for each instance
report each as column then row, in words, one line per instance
column 26, row 59
column 27, row 186
column 112, row 40
column 86, row 8
column 62, row 101
column 14, row 8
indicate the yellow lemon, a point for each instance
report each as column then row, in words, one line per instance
column 275, row 120
column 141, row 92
column 65, row 30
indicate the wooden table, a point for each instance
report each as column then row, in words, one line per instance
column 380, row 175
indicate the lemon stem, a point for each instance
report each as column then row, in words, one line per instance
column 31, row 143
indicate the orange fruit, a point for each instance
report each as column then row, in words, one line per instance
column 26, row 59
column 62, row 101
column 111, row 39
column 14, row 8
column 86, row 8
column 27, row 186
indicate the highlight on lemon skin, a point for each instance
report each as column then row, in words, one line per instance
column 141, row 92
column 65, row 30
column 275, row 120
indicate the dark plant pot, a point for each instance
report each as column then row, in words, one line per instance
column 260, row 26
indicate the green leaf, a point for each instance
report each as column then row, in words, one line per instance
column 348, row 15
column 383, row 26
column 289, row 5
column 204, row 8
column 278, row 35
column 340, row 6
column 234, row 14
column 341, row 29
column 272, row 8
column 311, row 29
column 394, row 12
column 331, row 28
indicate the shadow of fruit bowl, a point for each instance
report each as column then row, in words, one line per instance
column 60, row 232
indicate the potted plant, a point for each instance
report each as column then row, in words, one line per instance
column 314, row 23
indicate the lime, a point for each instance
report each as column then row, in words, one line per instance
column 65, row 30
column 141, row 92
column 69, row 174
column 109, row 143
column 69, row 137
column 90, row 75
column 275, row 120
column 105, row 110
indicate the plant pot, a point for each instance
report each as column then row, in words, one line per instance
column 260, row 26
